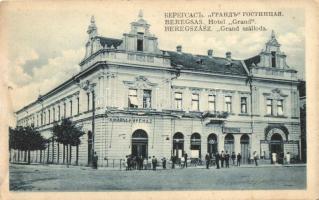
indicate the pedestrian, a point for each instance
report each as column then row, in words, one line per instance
column 126, row 163
column 95, row 160
column 182, row 162
column 154, row 163
column 129, row 162
column 227, row 156
column 185, row 155
column 145, row 163
column 207, row 159
column 233, row 157
column 217, row 158
column 238, row 159
column 222, row 158
column 164, row 163
column 255, row 157
column 288, row 158
column 173, row 161
column 141, row 162
column 274, row 157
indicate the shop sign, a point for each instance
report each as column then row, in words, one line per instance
column 231, row 130
column 130, row 120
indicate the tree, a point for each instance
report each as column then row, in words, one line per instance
column 26, row 139
column 67, row 133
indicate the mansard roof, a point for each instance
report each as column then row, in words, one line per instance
column 250, row 62
column 108, row 42
column 206, row 64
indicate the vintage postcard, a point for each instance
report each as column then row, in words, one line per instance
column 158, row 100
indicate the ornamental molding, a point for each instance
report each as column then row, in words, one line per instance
column 140, row 82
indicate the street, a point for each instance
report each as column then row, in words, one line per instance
column 61, row 178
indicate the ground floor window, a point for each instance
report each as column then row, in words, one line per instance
column 229, row 143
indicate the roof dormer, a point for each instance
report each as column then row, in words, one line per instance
column 139, row 38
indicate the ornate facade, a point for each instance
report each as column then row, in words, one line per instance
column 133, row 98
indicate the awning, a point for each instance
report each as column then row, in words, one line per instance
column 133, row 101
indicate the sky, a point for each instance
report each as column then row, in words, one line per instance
column 45, row 42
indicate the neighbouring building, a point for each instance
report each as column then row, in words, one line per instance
column 131, row 97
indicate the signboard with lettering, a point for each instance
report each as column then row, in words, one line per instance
column 130, row 120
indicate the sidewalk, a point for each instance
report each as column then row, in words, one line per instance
column 56, row 166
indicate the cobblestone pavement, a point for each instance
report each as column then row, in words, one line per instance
column 61, row 178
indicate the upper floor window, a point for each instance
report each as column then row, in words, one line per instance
column 147, row 97
column 49, row 116
column 212, row 103
column 269, row 107
column 228, row 104
column 64, row 109
column 273, row 59
column 59, row 112
column 53, row 114
column 140, row 42
column 280, row 108
column 78, row 103
column 132, row 98
column 243, row 104
column 71, row 108
column 195, row 102
column 88, row 100
column 178, row 100
column 44, row 118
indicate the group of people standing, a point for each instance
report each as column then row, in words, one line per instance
column 222, row 159
column 140, row 163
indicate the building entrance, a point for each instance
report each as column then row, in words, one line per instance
column 178, row 145
column 212, row 144
column 276, row 144
column 229, row 143
column 195, row 146
column 139, row 143
column 244, row 148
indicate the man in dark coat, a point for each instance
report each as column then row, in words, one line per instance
column 233, row 157
column 238, row 159
column 227, row 156
column 154, row 163
column 207, row 159
column 222, row 158
column 173, row 159
column 95, row 160
column 217, row 158
column 185, row 156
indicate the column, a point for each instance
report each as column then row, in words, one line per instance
column 237, row 143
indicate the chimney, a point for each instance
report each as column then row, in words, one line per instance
column 228, row 55
column 210, row 53
column 179, row 48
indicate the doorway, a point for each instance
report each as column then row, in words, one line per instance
column 139, row 143
column 229, row 143
column 244, row 148
column 195, row 145
column 178, row 144
column 212, row 144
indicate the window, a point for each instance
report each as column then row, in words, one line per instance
column 228, row 105
column 140, row 42
column 147, row 98
column 64, row 109
column 71, row 108
column 132, row 98
column 269, row 107
column 49, row 113
column 212, row 103
column 280, row 108
column 273, row 59
column 53, row 114
column 88, row 100
column 243, row 104
column 195, row 102
column 178, row 100
column 78, row 100
column 59, row 112
column 44, row 118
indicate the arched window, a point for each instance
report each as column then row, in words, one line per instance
column 139, row 143
column 229, row 143
column 178, row 144
column 195, row 145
